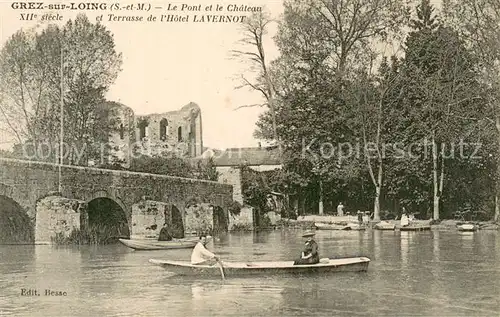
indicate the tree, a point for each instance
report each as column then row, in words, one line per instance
column 253, row 31
column 207, row 170
column 323, row 45
column 372, row 98
column 32, row 66
column 440, row 83
column 23, row 87
column 478, row 22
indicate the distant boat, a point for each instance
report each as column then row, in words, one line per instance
column 153, row 244
column 330, row 226
column 355, row 226
column 358, row 264
column 415, row 228
column 467, row 227
column 385, row 225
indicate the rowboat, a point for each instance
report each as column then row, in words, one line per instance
column 467, row 227
column 153, row 244
column 384, row 225
column 354, row 226
column 326, row 265
column 330, row 226
column 415, row 228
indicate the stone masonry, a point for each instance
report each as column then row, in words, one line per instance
column 28, row 182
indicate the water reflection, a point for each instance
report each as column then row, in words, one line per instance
column 405, row 241
column 376, row 244
column 435, row 245
column 230, row 298
column 412, row 274
column 260, row 237
column 467, row 239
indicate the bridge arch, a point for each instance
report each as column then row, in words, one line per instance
column 220, row 220
column 16, row 226
column 177, row 222
column 106, row 219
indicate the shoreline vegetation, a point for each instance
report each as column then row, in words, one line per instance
column 108, row 234
column 99, row 234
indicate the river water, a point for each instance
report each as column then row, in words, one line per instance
column 435, row 273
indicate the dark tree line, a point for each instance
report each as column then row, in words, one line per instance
column 382, row 105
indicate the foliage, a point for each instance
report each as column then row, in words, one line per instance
column 235, row 208
column 254, row 188
column 97, row 234
column 173, row 166
column 32, row 66
column 207, row 170
column 336, row 88
column 477, row 21
column 241, row 227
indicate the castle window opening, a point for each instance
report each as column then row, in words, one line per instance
column 122, row 132
column 179, row 134
column 163, row 129
column 142, row 129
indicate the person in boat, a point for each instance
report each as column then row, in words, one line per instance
column 165, row 234
column 200, row 254
column 310, row 254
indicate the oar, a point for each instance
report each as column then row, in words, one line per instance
column 221, row 267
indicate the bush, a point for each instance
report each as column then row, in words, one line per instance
column 95, row 234
column 264, row 221
column 235, row 208
column 241, row 227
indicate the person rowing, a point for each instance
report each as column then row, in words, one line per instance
column 310, row 254
column 200, row 254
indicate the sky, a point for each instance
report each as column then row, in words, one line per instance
column 167, row 65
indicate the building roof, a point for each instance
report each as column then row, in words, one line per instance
column 252, row 156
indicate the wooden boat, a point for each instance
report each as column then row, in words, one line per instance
column 415, row 228
column 330, row 226
column 153, row 244
column 357, row 264
column 467, row 227
column 355, row 226
column 384, row 225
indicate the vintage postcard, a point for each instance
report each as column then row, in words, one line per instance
column 250, row 158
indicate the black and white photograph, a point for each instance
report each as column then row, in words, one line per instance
column 250, row 158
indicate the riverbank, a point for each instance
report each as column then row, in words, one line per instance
column 307, row 222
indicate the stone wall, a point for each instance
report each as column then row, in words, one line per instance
column 198, row 219
column 148, row 218
column 231, row 176
column 243, row 221
column 122, row 139
column 26, row 182
column 179, row 132
column 55, row 216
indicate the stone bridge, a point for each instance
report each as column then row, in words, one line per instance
column 143, row 201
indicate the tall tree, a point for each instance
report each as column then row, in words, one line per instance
column 32, row 66
column 478, row 22
column 373, row 95
column 323, row 44
column 441, row 81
